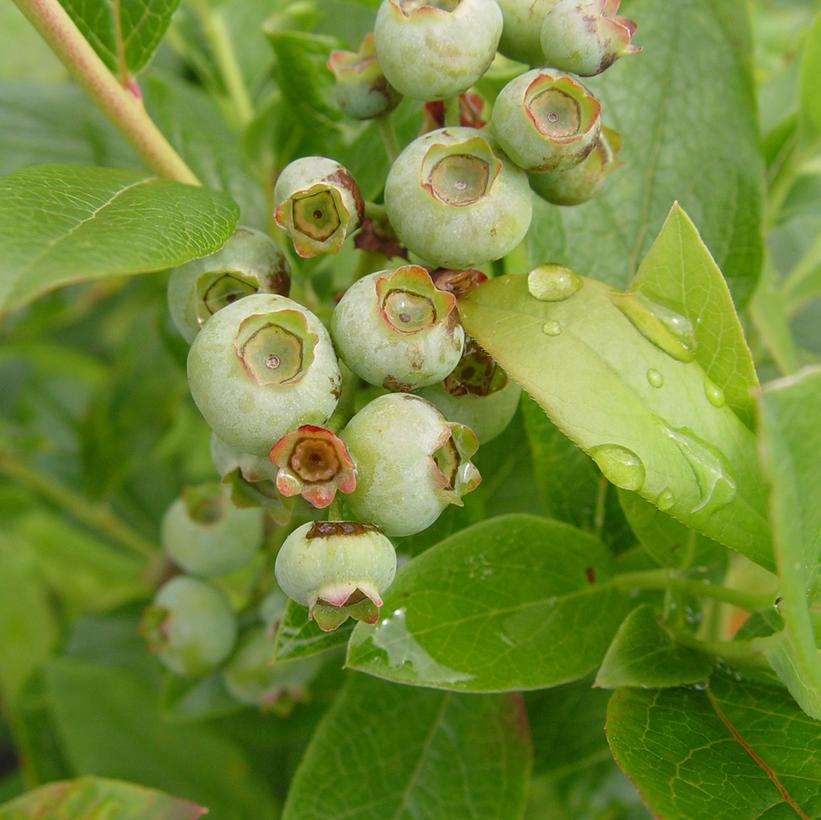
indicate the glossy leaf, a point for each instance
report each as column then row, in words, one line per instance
column 685, row 108
column 790, row 412
column 298, row 637
column 88, row 796
column 142, row 25
column 643, row 653
column 61, row 224
column 459, row 756
column 516, row 602
column 737, row 749
column 643, row 415
column 679, row 272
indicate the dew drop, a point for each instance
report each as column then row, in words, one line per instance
column 553, row 283
column 665, row 500
column 655, row 378
column 715, row 395
column 620, row 466
column 552, row 328
column 667, row 330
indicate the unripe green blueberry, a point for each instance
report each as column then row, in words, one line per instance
column 394, row 328
column 249, row 262
column 521, row 38
column 411, row 462
column 585, row 36
column 456, row 200
column 205, row 534
column 439, row 48
column 260, row 368
column 546, row 121
column 579, row 183
column 361, row 90
column 318, row 203
column 271, row 609
column 190, row 625
column 227, row 459
column 338, row 569
column 477, row 394
column 252, row 677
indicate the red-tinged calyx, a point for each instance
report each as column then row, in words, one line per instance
column 471, row 106
column 560, row 108
column 333, row 605
column 276, row 348
column 460, row 174
column 477, row 374
column 313, row 462
column 456, row 281
column 617, row 30
column 409, row 8
column 453, row 470
column 409, row 301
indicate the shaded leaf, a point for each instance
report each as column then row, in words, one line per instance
column 298, row 637
column 810, row 110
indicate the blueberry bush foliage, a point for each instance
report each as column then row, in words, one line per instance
column 457, row 454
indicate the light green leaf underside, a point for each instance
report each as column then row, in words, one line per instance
column 386, row 751
column 597, row 379
column 790, row 411
column 737, row 749
column 516, row 602
column 61, row 224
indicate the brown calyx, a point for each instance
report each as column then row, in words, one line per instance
column 328, row 529
column 314, row 460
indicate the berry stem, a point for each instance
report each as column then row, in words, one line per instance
column 373, row 210
column 747, row 653
column 389, row 138
column 453, row 115
column 121, row 106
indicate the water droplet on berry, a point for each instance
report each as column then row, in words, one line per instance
column 552, row 283
column 552, row 328
column 655, row 378
column 620, row 466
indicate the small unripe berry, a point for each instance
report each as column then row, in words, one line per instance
column 260, row 368
column 314, row 463
column 411, row 463
column 477, row 394
column 546, row 121
column 318, row 203
column 254, row 679
column 361, row 90
column 395, row 329
column 521, row 39
column 585, row 36
column 249, row 262
column 205, row 534
column 456, row 200
column 338, row 569
column 190, row 625
column 436, row 49
column 579, row 183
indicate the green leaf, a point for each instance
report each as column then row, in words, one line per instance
column 810, row 110
column 688, row 136
column 643, row 653
column 298, row 637
column 791, row 440
column 88, row 796
column 62, row 224
column 393, row 751
column 142, row 25
column 515, row 602
column 737, row 749
column 679, row 272
column 652, row 422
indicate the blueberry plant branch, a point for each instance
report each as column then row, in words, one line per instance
column 120, row 106
column 452, row 116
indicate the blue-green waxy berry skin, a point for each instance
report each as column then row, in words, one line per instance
column 190, row 625
column 546, row 121
column 434, row 50
column 260, row 368
column 205, row 534
column 395, row 329
column 249, row 262
column 456, row 200
column 521, row 34
column 411, row 463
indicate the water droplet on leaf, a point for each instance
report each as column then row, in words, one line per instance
column 667, row 330
column 655, row 378
column 553, row 283
column 552, row 328
column 715, row 395
column 620, row 466
column 665, row 500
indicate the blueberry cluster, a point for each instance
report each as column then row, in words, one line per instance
column 279, row 388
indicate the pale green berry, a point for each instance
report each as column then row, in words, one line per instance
column 338, row 569
column 411, row 463
column 271, row 609
column 477, row 394
column 436, row 49
column 249, row 262
column 456, row 200
column 253, row 678
column 585, row 36
column 361, row 89
column 190, row 626
column 318, row 203
column 579, row 183
column 228, row 459
column 521, row 35
column 260, row 368
column 205, row 534
column 546, row 121
column 394, row 328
